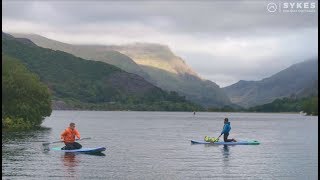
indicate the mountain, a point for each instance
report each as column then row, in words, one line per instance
column 298, row 80
column 155, row 55
column 22, row 40
column 98, row 53
column 93, row 84
column 171, row 73
column 155, row 63
column 311, row 90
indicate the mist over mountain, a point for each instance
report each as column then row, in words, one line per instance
column 298, row 80
column 154, row 62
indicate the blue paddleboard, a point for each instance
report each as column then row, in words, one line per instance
column 250, row 142
column 82, row 150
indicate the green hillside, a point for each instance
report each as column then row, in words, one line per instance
column 89, row 52
column 154, row 62
column 86, row 84
column 203, row 92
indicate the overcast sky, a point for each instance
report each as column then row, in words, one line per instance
column 223, row 41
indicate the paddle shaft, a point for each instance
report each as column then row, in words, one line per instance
column 63, row 141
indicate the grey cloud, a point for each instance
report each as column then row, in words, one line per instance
column 185, row 16
column 200, row 21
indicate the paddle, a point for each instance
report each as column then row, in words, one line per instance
column 218, row 137
column 46, row 144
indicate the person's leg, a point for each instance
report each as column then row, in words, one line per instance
column 77, row 145
column 69, row 146
column 225, row 138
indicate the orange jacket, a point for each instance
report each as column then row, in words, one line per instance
column 68, row 135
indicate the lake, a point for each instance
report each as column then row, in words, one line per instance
column 156, row 145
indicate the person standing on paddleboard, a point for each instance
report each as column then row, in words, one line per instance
column 69, row 135
column 225, row 131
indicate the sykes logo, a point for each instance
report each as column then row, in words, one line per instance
column 300, row 5
column 292, row 7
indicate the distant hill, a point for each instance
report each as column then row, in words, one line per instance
column 309, row 91
column 170, row 72
column 156, row 56
column 84, row 83
column 155, row 63
column 298, row 80
column 98, row 53
column 308, row 105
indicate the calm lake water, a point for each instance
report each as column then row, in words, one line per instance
column 156, row 145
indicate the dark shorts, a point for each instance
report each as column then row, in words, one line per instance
column 71, row 146
column 225, row 137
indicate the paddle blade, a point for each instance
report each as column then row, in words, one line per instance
column 45, row 146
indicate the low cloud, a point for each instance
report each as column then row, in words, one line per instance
column 223, row 41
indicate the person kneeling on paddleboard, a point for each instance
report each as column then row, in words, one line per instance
column 68, row 136
column 225, row 131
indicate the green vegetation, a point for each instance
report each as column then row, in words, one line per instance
column 93, row 85
column 86, row 84
column 224, row 109
column 308, row 105
column 202, row 92
column 154, row 56
column 152, row 106
column 25, row 100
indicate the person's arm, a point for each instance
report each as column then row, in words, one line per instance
column 77, row 134
column 63, row 134
column 223, row 130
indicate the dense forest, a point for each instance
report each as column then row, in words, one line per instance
column 25, row 100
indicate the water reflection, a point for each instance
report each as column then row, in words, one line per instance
column 32, row 135
column 225, row 151
column 16, row 143
column 70, row 160
column 98, row 154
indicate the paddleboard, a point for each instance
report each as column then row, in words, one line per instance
column 82, row 150
column 249, row 142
